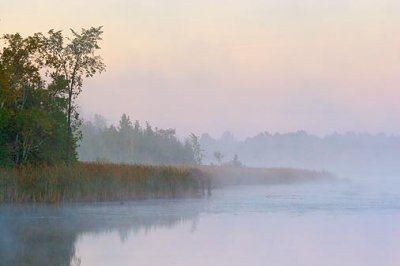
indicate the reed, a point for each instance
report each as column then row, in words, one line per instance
column 118, row 182
column 96, row 182
column 232, row 175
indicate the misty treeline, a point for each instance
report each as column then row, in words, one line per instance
column 131, row 142
column 348, row 153
column 40, row 78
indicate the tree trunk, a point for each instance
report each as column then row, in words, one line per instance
column 69, row 127
column 17, row 148
column 69, row 110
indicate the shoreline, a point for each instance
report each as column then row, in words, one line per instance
column 100, row 182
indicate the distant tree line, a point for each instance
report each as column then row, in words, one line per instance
column 218, row 156
column 40, row 78
column 130, row 142
column 349, row 153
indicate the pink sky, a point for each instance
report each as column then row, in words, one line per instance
column 243, row 66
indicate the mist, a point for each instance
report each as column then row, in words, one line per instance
column 347, row 155
column 350, row 154
column 303, row 224
column 199, row 132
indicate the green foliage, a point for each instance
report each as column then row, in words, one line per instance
column 68, row 63
column 5, row 151
column 40, row 77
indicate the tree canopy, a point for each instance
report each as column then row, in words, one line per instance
column 132, row 143
column 40, row 77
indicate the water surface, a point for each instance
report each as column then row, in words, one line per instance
column 348, row 223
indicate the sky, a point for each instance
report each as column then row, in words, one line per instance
column 245, row 66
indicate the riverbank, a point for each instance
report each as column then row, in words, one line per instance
column 96, row 182
column 120, row 182
column 229, row 175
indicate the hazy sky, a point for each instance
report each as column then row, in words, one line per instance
column 240, row 65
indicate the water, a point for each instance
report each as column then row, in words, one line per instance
column 348, row 223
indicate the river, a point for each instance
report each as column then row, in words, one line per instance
column 346, row 223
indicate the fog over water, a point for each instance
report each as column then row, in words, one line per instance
column 351, row 154
column 345, row 223
column 230, row 84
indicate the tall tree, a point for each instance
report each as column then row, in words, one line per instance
column 30, row 112
column 38, row 117
column 69, row 63
column 127, row 143
column 19, row 74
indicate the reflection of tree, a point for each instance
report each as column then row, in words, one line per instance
column 46, row 235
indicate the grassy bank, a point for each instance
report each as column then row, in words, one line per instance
column 230, row 175
column 96, row 182
column 113, row 182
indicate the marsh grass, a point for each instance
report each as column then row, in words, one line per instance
column 118, row 182
column 233, row 175
column 96, row 182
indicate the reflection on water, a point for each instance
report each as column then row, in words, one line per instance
column 332, row 224
column 46, row 235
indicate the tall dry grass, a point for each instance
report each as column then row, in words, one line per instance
column 112, row 182
column 96, row 182
column 231, row 175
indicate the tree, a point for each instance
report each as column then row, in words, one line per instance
column 196, row 148
column 40, row 78
column 30, row 111
column 99, row 121
column 69, row 63
column 125, row 130
column 129, row 143
column 236, row 162
column 19, row 74
column 5, row 115
column 218, row 157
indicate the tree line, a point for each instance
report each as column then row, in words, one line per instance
column 348, row 153
column 131, row 142
column 40, row 78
